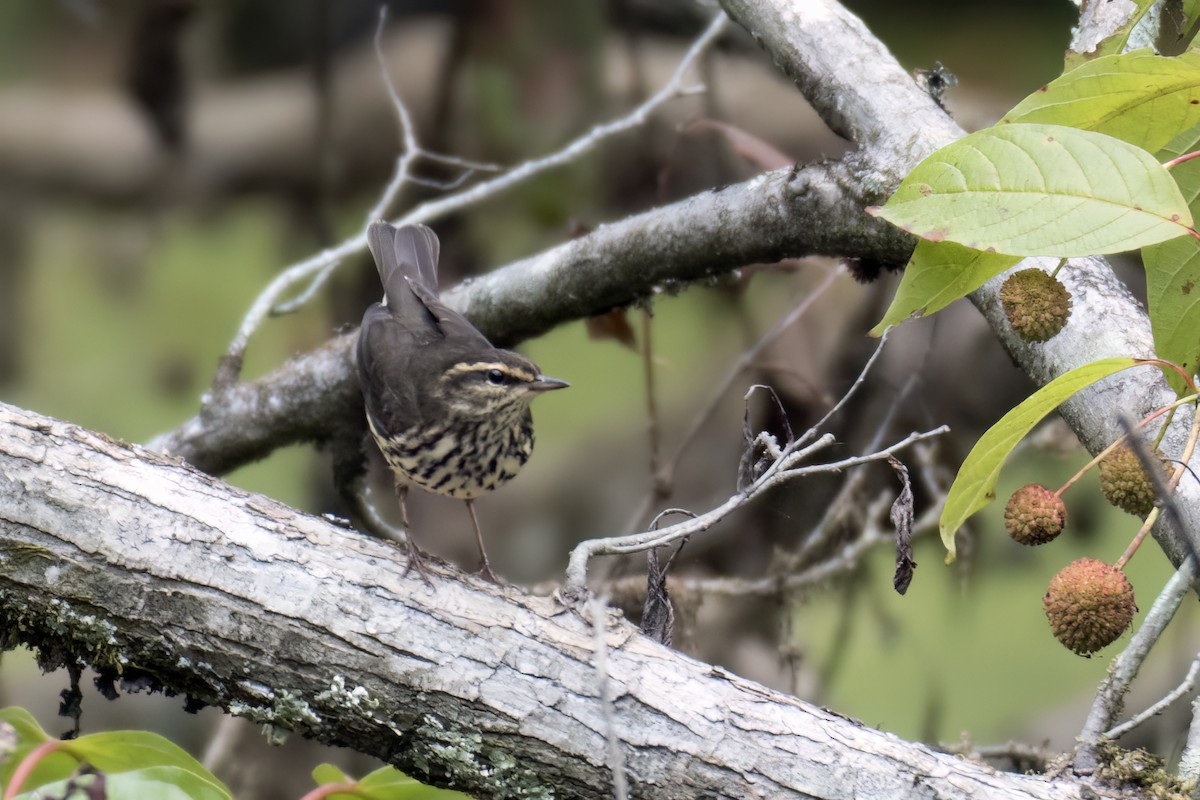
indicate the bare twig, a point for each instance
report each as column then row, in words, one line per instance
column 323, row 263
column 784, row 466
column 841, row 562
column 584, row 144
column 410, row 149
column 608, row 698
column 1110, row 697
column 1185, row 687
column 783, row 469
column 1189, row 760
column 815, row 541
column 844, row 560
column 666, row 475
column 1024, row 757
column 658, row 488
column 840, row 404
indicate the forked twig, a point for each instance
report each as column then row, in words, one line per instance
column 324, row 263
column 785, row 465
column 663, row 480
column 1184, row 688
column 784, row 468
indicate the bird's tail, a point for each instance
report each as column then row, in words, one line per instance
column 409, row 252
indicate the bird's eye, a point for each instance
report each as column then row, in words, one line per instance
column 495, row 377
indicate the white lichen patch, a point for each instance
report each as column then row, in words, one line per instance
column 337, row 694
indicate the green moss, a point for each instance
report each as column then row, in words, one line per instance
column 464, row 759
column 1143, row 770
column 287, row 712
column 60, row 634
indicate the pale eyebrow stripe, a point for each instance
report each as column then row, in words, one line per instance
column 484, row 366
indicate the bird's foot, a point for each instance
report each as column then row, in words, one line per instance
column 416, row 561
column 485, row 572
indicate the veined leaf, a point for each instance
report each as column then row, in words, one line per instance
column 1184, row 142
column 1040, row 190
column 975, row 485
column 127, row 751
column 938, row 273
column 389, row 783
column 1139, row 97
column 1173, row 297
column 329, row 773
column 160, row 783
column 1173, row 275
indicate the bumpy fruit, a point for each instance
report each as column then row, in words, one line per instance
column 1089, row 604
column 1037, row 305
column 1034, row 515
column 1125, row 483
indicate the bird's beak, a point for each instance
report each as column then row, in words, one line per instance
column 544, row 383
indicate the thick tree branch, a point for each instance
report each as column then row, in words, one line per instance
column 147, row 568
column 816, row 209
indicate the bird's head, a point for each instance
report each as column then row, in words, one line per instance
column 496, row 384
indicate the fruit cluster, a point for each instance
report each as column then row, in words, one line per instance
column 1089, row 603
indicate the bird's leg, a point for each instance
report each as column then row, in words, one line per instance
column 416, row 557
column 485, row 567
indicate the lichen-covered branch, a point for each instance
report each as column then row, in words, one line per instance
column 149, row 569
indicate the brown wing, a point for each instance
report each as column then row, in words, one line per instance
column 407, row 259
column 413, row 331
column 384, row 359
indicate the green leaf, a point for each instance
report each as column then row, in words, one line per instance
column 159, row 783
column 1139, row 97
column 115, row 753
column 27, row 728
column 1040, row 190
column 975, row 485
column 29, row 735
column 121, row 751
column 1173, row 275
column 126, row 751
column 1183, row 143
column 938, row 273
column 328, row 773
column 1173, row 297
column 389, row 783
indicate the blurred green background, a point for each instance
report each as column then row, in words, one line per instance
column 127, row 260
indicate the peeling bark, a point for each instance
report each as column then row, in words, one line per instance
column 148, row 569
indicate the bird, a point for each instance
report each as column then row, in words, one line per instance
column 449, row 411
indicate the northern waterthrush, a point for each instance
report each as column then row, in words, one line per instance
column 449, row 411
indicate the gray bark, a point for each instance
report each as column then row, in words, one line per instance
column 149, row 569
